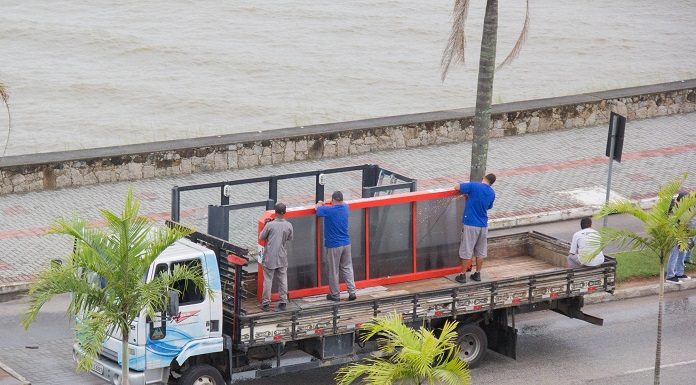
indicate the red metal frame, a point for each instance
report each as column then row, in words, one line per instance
column 364, row 204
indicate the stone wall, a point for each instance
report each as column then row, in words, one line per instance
column 76, row 168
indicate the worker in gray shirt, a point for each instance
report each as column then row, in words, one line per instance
column 277, row 234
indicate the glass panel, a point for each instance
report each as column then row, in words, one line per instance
column 356, row 223
column 390, row 240
column 297, row 192
column 302, row 254
column 188, row 292
column 244, row 230
column 349, row 182
column 438, row 229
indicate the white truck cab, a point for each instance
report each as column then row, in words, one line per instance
column 157, row 349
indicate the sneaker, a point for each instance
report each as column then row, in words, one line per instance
column 476, row 276
column 352, row 297
column 330, row 297
column 266, row 307
column 461, row 278
column 672, row 280
column 683, row 277
column 282, row 306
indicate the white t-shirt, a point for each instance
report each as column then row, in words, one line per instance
column 579, row 246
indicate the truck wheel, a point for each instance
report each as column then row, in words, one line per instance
column 473, row 344
column 201, row 375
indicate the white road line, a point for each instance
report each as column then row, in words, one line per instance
column 663, row 366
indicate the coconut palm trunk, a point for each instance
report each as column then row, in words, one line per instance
column 484, row 92
column 661, row 301
column 454, row 52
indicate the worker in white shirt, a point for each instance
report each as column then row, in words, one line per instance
column 579, row 246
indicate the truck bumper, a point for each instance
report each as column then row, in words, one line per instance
column 110, row 371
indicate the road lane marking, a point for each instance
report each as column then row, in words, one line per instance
column 662, row 367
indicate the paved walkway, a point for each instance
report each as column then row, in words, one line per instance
column 536, row 173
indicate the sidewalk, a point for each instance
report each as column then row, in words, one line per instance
column 560, row 172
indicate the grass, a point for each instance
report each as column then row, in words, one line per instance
column 632, row 265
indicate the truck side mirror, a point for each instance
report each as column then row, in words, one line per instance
column 173, row 307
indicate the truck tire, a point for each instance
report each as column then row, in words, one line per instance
column 201, row 374
column 473, row 344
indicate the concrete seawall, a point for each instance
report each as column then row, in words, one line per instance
column 177, row 157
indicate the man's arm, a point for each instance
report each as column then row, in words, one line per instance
column 574, row 244
column 264, row 233
column 321, row 209
column 291, row 233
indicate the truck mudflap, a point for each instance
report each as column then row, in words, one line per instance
column 502, row 338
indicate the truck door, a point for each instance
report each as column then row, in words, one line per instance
column 194, row 308
column 190, row 324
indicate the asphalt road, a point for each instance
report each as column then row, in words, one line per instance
column 552, row 349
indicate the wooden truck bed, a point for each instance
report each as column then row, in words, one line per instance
column 521, row 269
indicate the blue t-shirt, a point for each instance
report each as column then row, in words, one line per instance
column 480, row 200
column 335, row 225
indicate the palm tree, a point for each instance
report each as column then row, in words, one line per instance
column 117, row 258
column 454, row 52
column 664, row 230
column 414, row 356
column 5, row 96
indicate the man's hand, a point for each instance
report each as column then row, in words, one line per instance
column 456, row 187
column 320, row 203
column 267, row 220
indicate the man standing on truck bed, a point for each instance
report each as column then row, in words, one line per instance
column 474, row 241
column 277, row 234
column 337, row 243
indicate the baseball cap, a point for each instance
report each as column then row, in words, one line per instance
column 337, row 196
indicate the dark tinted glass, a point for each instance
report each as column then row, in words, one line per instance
column 390, row 240
column 438, row 229
column 188, row 291
column 302, row 254
column 356, row 223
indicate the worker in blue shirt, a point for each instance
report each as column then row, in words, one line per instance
column 474, row 239
column 337, row 243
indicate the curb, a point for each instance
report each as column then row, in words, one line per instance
column 638, row 291
column 21, row 380
column 14, row 288
column 554, row 216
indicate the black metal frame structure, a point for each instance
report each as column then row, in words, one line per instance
column 218, row 214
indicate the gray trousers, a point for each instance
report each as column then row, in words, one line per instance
column 339, row 259
column 281, row 274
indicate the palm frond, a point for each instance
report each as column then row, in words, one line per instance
column 623, row 207
column 456, row 44
column 622, row 238
column 515, row 51
column 90, row 333
column 667, row 193
column 104, row 272
column 453, row 372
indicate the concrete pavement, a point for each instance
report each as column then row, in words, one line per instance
column 557, row 172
